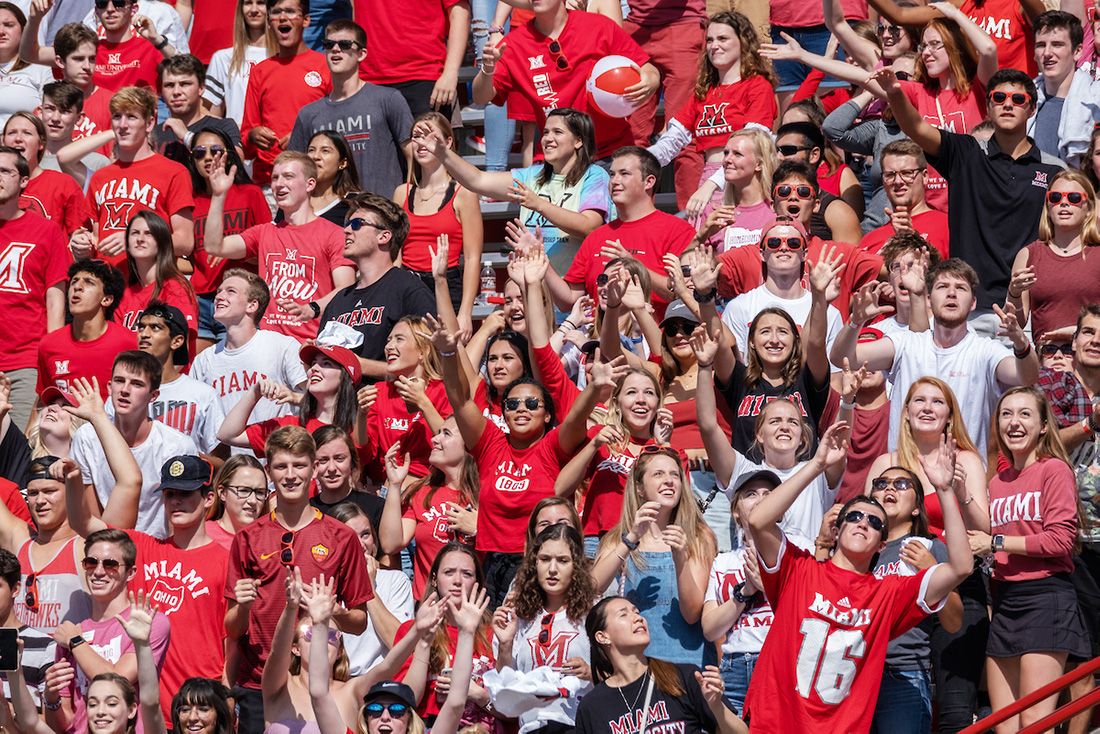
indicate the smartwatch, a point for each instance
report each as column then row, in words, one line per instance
column 630, row 544
column 76, row 642
column 998, row 543
column 739, row 594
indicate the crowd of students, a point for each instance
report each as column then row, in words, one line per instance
column 820, row 449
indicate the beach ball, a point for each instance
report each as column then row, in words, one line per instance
column 609, row 78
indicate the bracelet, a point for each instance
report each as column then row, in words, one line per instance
column 571, row 326
column 969, row 499
column 447, row 354
column 161, row 43
column 1021, row 353
column 481, row 69
column 703, row 366
column 706, row 297
column 496, row 29
column 847, row 406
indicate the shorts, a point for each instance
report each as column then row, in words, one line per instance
column 1040, row 615
column 454, row 283
column 209, row 329
column 791, row 74
column 418, row 95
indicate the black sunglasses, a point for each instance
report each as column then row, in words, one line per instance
column 901, row 484
column 1049, row 350
column 802, row 191
column 602, row 279
column 102, row 4
column 874, row 521
column 286, row 555
column 199, row 151
column 1073, row 197
column 792, row 243
column 512, row 404
column 357, row 223
column 344, row 44
column 791, row 149
column 1018, row 98
column 544, row 633
column 397, row 710
column 678, row 326
column 90, row 564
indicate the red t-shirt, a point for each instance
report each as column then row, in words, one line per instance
column 34, row 256
column 211, row 27
column 258, row 433
column 136, row 298
column 13, row 500
column 278, row 88
column 944, row 109
column 726, row 109
column 245, row 206
column 119, row 191
column 512, row 482
column 822, row 659
column 1009, row 27
column 325, row 546
column 131, row 63
column 62, row 359
column 399, row 50
column 389, row 421
column 297, row 262
column 606, row 474
column 798, row 14
column 96, row 117
column 56, row 196
column 432, row 530
column 483, row 660
column 1040, row 504
column 527, row 68
column 186, row 586
column 931, row 225
column 648, row 239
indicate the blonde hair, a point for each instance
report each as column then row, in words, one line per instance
column 1050, row 442
column 134, row 99
column 908, row 455
column 241, row 42
column 614, row 415
column 1090, row 228
column 422, row 335
column 766, row 156
column 34, row 436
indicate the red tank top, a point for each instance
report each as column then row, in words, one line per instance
column 1062, row 284
column 685, row 424
column 830, row 182
column 60, row 587
column 424, row 229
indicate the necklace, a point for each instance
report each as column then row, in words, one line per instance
column 629, row 706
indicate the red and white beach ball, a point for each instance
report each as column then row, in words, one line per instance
column 609, row 78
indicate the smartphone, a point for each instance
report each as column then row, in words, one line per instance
column 9, row 649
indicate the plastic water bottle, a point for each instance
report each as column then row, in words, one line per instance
column 488, row 284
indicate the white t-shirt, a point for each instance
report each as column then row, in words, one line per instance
column 743, row 309
column 221, row 86
column 751, row 627
column 969, row 367
column 189, row 406
column 159, row 446
column 233, row 371
column 22, row 89
column 803, row 518
column 395, row 590
column 166, row 19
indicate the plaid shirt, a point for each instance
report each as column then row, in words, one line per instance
column 1067, row 396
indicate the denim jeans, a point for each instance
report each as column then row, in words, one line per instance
column 736, row 669
column 499, row 130
column 904, row 703
column 718, row 516
column 591, row 545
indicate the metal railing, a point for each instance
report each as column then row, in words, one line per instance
column 1052, row 719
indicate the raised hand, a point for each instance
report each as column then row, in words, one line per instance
column 912, row 275
column 608, row 436
column 825, row 274
column 675, row 274
column 396, row 472
column 321, row 599
column 704, row 269
column 662, row 427
column 789, row 51
column 505, row 624
column 865, row 304
column 425, row 134
column 413, row 390
column 644, row 518
column 59, row 676
column 633, row 298
column 900, row 218
column 440, row 254
column 917, row 555
column 705, row 348
column 429, row 615
column 699, row 200
column 443, row 339
column 677, row 540
column 940, row 466
column 470, row 609
column 490, row 55
column 535, row 265
column 246, row 591
column 221, row 180
column 293, row 587
column 606, row 374
column 81, row 244
column 273, row 391
column 752, row 570
column 366, row 397
column 139, row 625
column 614, row 250
column 522, row 239
column 1010, row 326
column 719, row 218
column 89, row 403
column 886, row 79
column 1023, row 279
column 833, row 446
column 852, row 380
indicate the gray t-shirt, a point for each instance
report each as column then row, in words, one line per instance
column 1047, row 118
column 374, row 121
column 909, row 651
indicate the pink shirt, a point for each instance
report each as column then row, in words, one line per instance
column 1040, row 504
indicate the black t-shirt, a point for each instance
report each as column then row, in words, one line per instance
column 15, row 457
column 374, row 310
column 337, row 213
column 746, row 401
column 604, row 708
column 369, row 503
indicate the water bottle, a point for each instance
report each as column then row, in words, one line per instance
column 488, row 284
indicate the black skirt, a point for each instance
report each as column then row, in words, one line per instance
column 1036, row 616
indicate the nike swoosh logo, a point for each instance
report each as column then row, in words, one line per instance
column 265, row 556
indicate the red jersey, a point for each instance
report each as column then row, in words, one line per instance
column 726, row 109
column 96, row 117
column 57, row 197
column 823, row 657
column 512, row 482
column 527, row 68
column 931, row 225
column 1040, row 504
column 325, row 546
column 389, row 421
column 258, row 433
column 186, row 586
column 245, row 206
column 944, row 109
column 135, row 298
column 432, row 530
column 297, row 262
column 34, row 257
column 648, row 239
column 1009, row 27
column 131, row 63
column 400, row 51
column 211, row 27
column 606, row 474
column 278, row 88
column 62, row 359
column 119, row 191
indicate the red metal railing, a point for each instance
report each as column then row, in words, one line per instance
column 1056, row 717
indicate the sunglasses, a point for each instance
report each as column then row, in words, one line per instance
column 602, row 279
column 397, row 710
column 792, row 243
column 344, row 44
column 286, row 555
column 199, row 151
column 242, row 493
column 678, row 327
column 31, row 598
column 802, row 191
column 650, row 449
column 1047, row 350
column 110, row 565
column 874, row 521
column 306, row 633
column 789, row 150
column 512, row 404
column 893, row 31
column 901, row 484
column 1018, row 98
column 1073, row 197
column 544, row 634
column 102, row 4
column 555, row 53
column 357, row 223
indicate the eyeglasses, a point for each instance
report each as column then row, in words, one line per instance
column 286, row 555
column 792, row 243
column 31, row 587
column 102, row 4
column 802, row 191
column 678, row 326
column 893, row 31
column 283, row 12
column 789, row 150
column 110, row 565
column 901, row 484
column 306, row 634
column 199, row 151
column 242, row 492
column 602, row 279
column 932, row 46
column 344, row 44
column 512, row 404
column 547, row 624
column 357, row 223
column 903, row 76
column 397, row 710
column 874, row 521
column 556, row 54
column 1018, row 98
column 909, row 175
column 1049, row 350
column 1076, row 198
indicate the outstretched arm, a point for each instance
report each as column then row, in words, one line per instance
column 907, row 116
column 467, row 614
column 471, row 423
column 276, row 668
column 723, row 457
column 322, row 599
column 139, row 627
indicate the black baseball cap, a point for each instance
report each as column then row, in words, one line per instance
column 177, row 326
column 760, row 474
column 400, row 691
column 186, row 473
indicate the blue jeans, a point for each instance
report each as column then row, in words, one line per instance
column 791, row 73
column 499, row 130
column 904, row 703
column 591, row 545
column 718, row 516
column 736, row 669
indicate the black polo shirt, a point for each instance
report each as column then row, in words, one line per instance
column 994, row 204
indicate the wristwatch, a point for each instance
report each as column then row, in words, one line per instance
column 630, row 544
column 76, row 642
column 998, row 543
column 739, row 594
column 315, row 308
column 161, row 43
column 706, row 297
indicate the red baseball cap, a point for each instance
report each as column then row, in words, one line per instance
column 341, row 355
column 52, row 393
